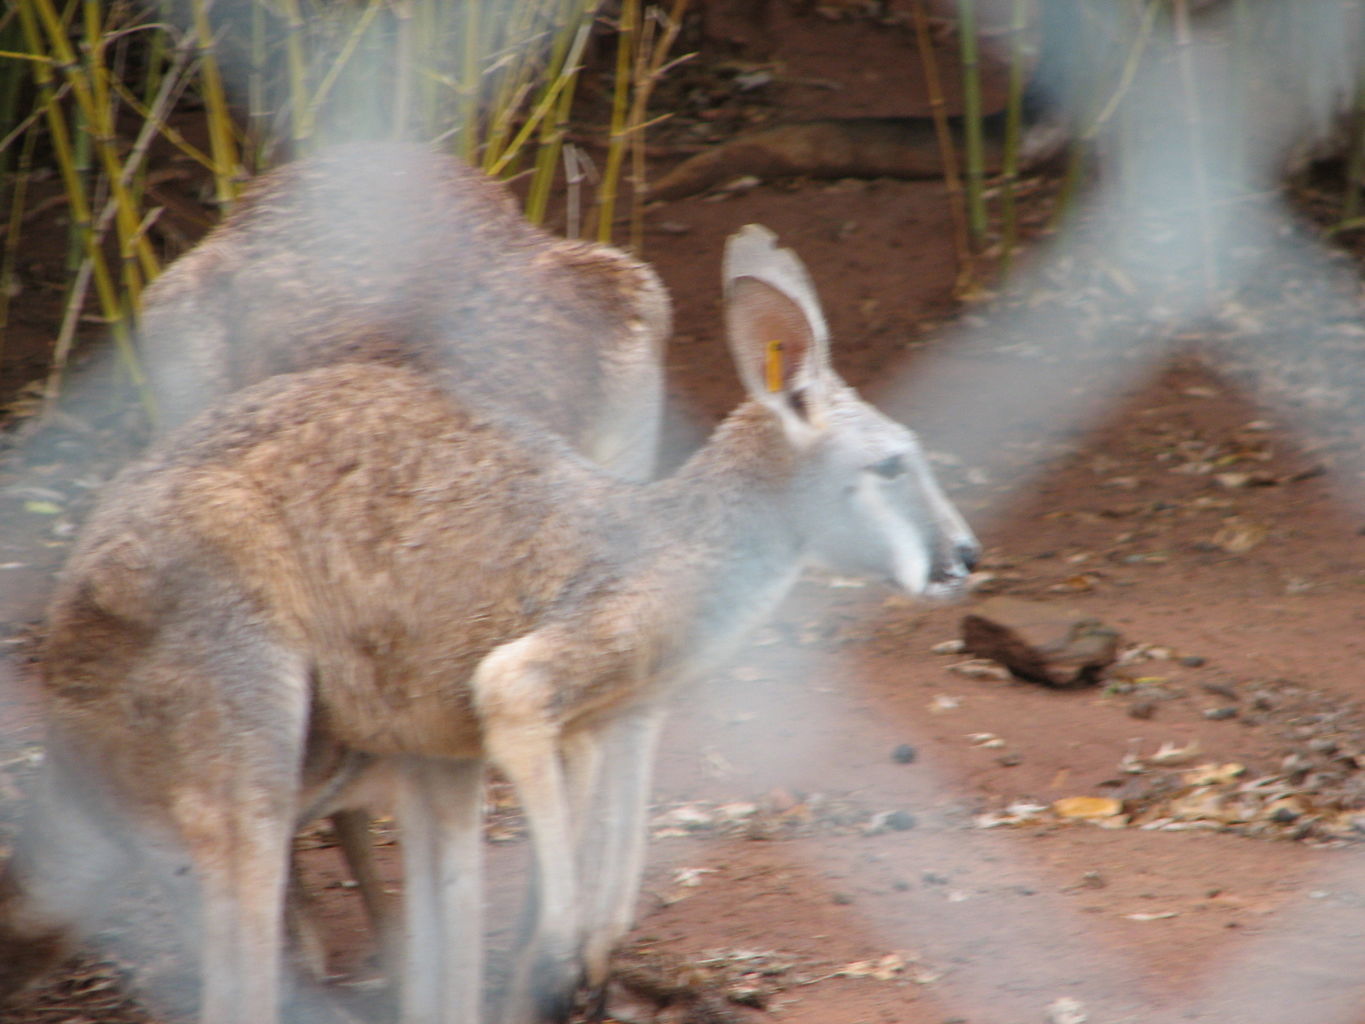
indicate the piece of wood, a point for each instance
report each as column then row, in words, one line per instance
column 1041, row 642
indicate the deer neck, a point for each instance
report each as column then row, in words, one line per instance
column 727, row 523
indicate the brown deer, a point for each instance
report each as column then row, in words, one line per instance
column 347, row 567
column 393, row 253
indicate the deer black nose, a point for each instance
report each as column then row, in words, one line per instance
column 954, row 563
column 968, row 553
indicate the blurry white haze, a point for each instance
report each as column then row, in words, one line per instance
column 1185, row 220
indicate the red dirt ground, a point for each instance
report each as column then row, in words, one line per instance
column 1227, row 597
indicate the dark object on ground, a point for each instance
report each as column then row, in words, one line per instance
column 1041, row 643
column 904, row 754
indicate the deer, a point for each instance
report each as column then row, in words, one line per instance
column 349, row 568
column 393, row 253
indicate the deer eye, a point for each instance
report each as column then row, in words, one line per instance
column 890, row 467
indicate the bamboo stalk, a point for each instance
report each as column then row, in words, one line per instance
column 1194, row 130
column 957, row 207
column 12, row 74
column 30, row 15
column 403, row 58
column 973, row 143
column 1241, row 72
column 546, row 105
column 301, row 113
column 80, row 155
column 577, row 169
column 1132, row 62
column 1014, row 117
column 432, row 31
column 627, row 32
column 100, row 118
column 156, row 115
column 550, row 138
column 653, row 64
column 343, row 58
column 153, row 123
column 221, row 145
column 60, row 134
column 515, row 70
column 1111, row 106
column 257, row 116
column 550, row 145
column 634, row 117
column 14, row 229
column 470, row 76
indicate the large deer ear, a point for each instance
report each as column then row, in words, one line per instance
column 777, row 333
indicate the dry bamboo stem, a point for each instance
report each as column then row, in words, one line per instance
column 225, row 162
column 551, row 139
column 626, row 42
column 973, row 144
column 1194, row 127
column 548, row 103
column 1014, row 116
column 77, row 202
column 948, row 153
column 653, row 65
column 301, row 114
column 21, row 171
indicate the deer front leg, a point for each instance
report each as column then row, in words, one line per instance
column 514, row 688
column 616, row 848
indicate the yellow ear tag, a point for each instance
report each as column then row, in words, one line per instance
column 774, row 366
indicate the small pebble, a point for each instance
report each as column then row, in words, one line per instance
column 1193, row 661
column 1009, row 760
column 904, row 754
column 842, row 898
column 1222, row 690
column 1219, row 714
column 901, row 821
column 1142, row 709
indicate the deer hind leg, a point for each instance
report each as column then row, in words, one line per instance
column 352, row 828
column 340, row 784
column 441, row 812
column 241, row 856
column 56, row 881
column 216, row 782
column 305, row 943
